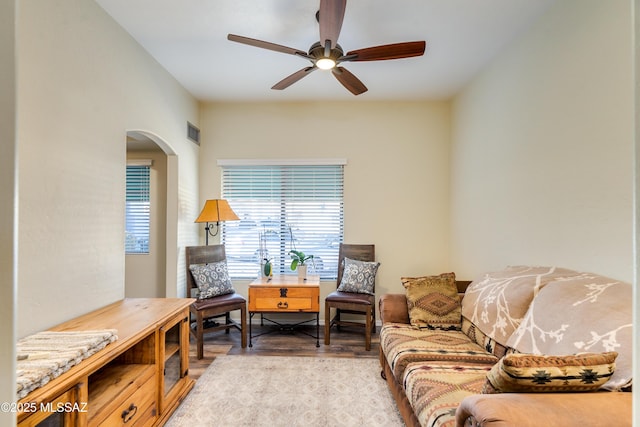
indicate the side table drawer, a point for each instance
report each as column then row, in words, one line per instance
column 283, row 304
column 284, row 299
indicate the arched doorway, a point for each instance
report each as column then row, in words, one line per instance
column 155, row 274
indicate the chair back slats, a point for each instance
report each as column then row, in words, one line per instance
column 354, row 251
column 201, row 255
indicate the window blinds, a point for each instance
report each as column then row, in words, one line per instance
column 283, row 207
column 137, row 210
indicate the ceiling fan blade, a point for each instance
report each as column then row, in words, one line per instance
column 289, row 80
column 387, row 51
column 266, row 45
column 330, row 18
column 348, row 80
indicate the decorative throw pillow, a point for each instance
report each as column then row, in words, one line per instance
column 433, row 301
column 358, row 276
column 212, row 279
column 530, row 373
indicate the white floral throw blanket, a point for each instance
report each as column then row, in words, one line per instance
column 555, row 311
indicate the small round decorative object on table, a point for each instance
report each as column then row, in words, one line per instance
column 268, row 268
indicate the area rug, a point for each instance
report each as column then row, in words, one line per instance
column 289, row 391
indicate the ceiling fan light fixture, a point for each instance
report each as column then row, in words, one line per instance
column 325, row 63
column 326, row 54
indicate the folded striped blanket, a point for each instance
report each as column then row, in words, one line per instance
column 46, row 355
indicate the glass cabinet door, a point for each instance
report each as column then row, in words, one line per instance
column 174, row 342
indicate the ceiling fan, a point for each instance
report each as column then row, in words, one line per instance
column 327, row 54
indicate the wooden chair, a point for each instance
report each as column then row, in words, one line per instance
column 204, row 311
column 348, row 302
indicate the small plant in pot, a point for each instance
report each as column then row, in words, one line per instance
column 298, row 261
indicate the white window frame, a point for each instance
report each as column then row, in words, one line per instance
column 283, row 205
column 137, row 207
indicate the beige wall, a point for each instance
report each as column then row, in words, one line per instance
column 542, row 154
column 396, row 177
column 8, row 206
column 82, row 83
column 145, row 273
column 636, row 219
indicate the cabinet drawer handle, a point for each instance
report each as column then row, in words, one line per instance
column 283, row 304
column 128, row 414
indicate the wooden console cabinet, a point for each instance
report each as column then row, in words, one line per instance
column 138, row 380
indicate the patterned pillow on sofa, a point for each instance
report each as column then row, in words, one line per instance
column 528, row 373
column 433, row 301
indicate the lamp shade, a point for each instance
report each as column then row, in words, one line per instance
column 215, row 211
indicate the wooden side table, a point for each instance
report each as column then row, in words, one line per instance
column 285, row 294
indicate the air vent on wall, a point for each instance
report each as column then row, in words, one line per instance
column 193, row 133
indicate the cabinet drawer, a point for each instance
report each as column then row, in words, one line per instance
column 137, row 410
column 284, row 299
column 283, row 304
column 135, row 404
column 284, row 292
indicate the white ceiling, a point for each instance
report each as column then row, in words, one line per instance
column 188, row 37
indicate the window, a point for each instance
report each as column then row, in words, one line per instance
column 137, row 210
column 285, row 207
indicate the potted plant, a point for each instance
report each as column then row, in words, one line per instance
column 298, row 261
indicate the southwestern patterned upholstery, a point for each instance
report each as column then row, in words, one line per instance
column 483, row 340
column 435, row 391
column 404, row 344
column 523, row 314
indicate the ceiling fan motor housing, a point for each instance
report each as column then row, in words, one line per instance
column 317, row 51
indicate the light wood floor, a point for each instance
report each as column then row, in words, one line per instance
column 348, row 342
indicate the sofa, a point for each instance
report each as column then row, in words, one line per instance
column 523, row 346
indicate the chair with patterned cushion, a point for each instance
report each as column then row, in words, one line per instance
column 208, row 280
column 355, row 292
